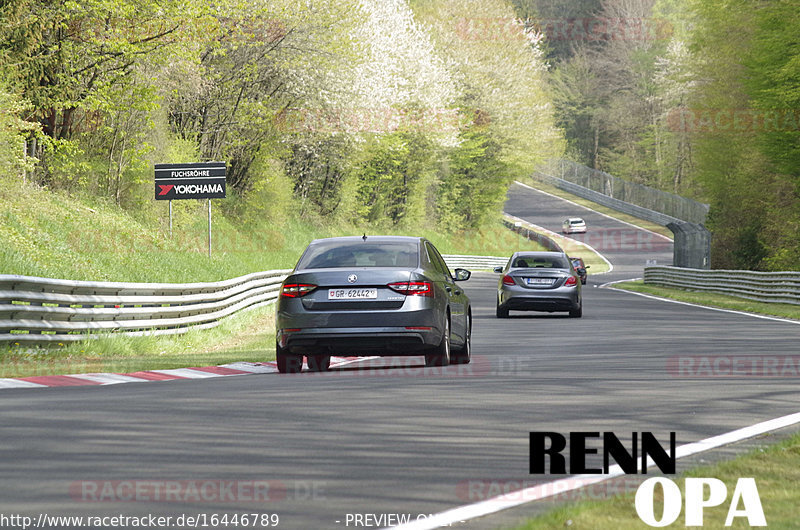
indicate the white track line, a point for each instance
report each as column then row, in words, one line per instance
column 177, row 373
column 272, row 368
column 670, row 300
column 109, row 379
column 595, row 211
column 559, row 236
column 186, row 373
column 17, row 383
column 558, row 487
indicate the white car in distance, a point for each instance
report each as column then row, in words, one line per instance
column 574, row 225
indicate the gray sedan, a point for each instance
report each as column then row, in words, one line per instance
column 539, row 281
column 376, row 295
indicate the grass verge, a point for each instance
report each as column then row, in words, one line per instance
column 57, row 235
column 776, row 469
column 641, row 223
column 714, row 300
column 247, row 336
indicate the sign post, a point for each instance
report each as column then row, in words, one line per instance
column 201, row 180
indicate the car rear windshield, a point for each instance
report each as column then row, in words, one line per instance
column 534, row 262
column 576, row 222
column 339, row 254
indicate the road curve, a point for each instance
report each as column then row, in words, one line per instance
column 367, row 439
column 627, row 247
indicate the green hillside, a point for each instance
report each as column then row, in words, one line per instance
column 57, row 235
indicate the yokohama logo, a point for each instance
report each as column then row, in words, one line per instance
column 183, row 189
column 189, row 189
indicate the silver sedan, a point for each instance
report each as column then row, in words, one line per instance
column 539, row 281
column 376, row 295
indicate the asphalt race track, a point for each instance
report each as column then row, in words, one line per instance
column 369, row 439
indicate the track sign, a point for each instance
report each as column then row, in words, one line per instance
column 202, row 180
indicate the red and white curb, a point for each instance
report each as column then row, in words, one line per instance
column 100, row 379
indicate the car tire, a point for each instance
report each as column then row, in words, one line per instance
column 501, row 312
column 464, row 354
column 583, row 282
column 577, row 313
column 319, row 363
column 440, row 356
column 288, row 363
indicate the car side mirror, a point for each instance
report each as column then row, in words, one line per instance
column 588, row 267
column 498, row 269
column 462, row 274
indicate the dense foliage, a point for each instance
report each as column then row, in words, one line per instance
column 409, row 113
column 697, row 97
column 378, row 114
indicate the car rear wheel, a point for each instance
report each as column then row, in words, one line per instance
column 319, row 363
column 288, row 363
column 501, row 312
column 464, row 355
column 441, row 355
column 577, row 313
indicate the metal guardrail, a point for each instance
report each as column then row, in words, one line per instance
column 532, row 235
column 475, row 262
column 770, row 287
column 46, row 310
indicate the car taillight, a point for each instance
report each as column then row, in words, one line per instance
column 296, row 290
column 508, row 280
column 412, row 288
column 572, row 280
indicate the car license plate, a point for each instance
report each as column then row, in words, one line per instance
column 539, row 281
column 352, row 294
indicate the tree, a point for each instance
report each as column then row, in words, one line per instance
column 14, row 132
